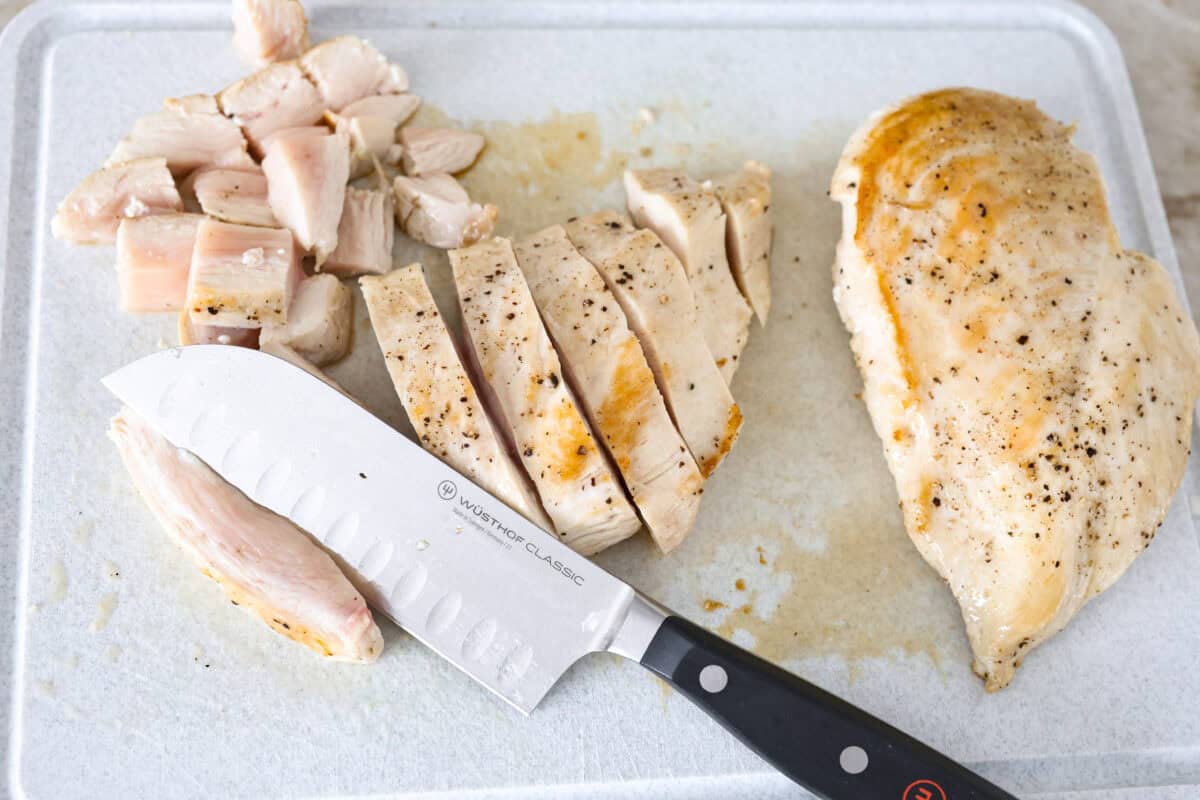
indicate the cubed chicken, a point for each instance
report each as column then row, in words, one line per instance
column 365, row 234
column 607, row 369
column 438, row 396
column 193, row 103
column 318, row 320
column 242, row 276
column 94, row 209
column 238, row 196
column 394, row 107
column 436, row 210
column 745, row 198
column 154, row 255
column 372, row 141
column 430, row 150
column 276, row 97
column 269, row 30
column 346, row 68
column 525, row 388
column 186, row 139
column 306, row 187
column 264, row 563
column 652, row 288
column 190, row 333
column 689, row 220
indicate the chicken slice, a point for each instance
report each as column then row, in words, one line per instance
column 346, row 68
column 652, row 288
column 238, row 196
column 436, row 210
column 269, row 30
column 1032, row 381
column 186, row 139
column 438, row 396
column 372, row 140
column 191, row 333
column 608, row 371
column 365, row 234
column 524, row 387
column 154, row 255
column 242, row 276
column 264, row 563
column 94, row 209
column 318, row 320
column 430, row 150
column 192, row 103
column 306, row 187
column 690, row 222
column 276, row 97
column 745, row 198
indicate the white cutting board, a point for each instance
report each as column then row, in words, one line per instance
column 147, row 683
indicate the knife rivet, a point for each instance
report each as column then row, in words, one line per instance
column 713, row 678
column 853, row 759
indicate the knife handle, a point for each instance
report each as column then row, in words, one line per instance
column 823, row 743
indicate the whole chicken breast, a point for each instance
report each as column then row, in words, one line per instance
column 1033, row 383
column 93, row 210
column 745, row 198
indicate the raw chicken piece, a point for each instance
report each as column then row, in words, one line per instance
column 276, row 97
column 241, row 276
column 394, row 107
column 365, row 235
column 690, row 222
column 269, row 30
column 264, row 563
column 346, row 68
column 524, row 387
column 238, row 196
column 745, row 198
column 306, row 187
column 649, row 282
column 154, row 255
column 607, row 369
column 94, row 209
column 186, row 139
column 372, row 139
column 436, row 210
column 1033, row 383
column 192, row 103
column 190, row 333
column 318, row 320
column 432, row 150
column 438, row 397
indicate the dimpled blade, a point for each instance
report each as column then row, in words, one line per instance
column 503, row 600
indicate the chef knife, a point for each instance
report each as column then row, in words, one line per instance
column 501, row 599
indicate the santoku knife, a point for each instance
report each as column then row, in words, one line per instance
column 501, row 599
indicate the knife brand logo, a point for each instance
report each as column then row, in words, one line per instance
column 447, row 490
column 924, row 790
column 568, row 573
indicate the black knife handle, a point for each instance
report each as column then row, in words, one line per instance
column 806, row 733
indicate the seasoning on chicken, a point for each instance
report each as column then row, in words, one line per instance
column 439, row 398
column 230, row 195
column 193, row 103
column 318, row 320
column 186, row 139
column 1032, row 381
column 94, row 209
column 436, row 210
column 607, row 369
column 306, row 187
column 365, row 235
column 524, row 386
column 652, row 288
column 264, row 563
column 431, row 150
column 190, row 333
column 276, row 97
column 690, row 222
column 241, row 276
column 346, row 68
column 745, row 198
column 154, row 255
column 269, row 30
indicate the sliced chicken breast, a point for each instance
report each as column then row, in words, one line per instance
column 525, row 388
column 154, row 255
column 264, row 563
column 269, row 30
column 238, row 196
column 613, row 383
column 745, row 198
column 306, row 187
column 365, row 234
column 93, row 210
column 186, row 139
column 690, row 222
column 652, row 288
column 241, row 276
column 319, row 320
column 276, row 97
column 436, row 210
column 432, row 150
column 346, row 69
column 190, row 333
column 438, row 396
column 193, row 103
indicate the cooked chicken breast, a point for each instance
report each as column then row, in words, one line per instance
column 524, row 387
column 372, row 140
column 231, row 195
column 652, row 288
column 94, row 209
column 264, row 563
column 154, row 255
column 193, row 103
column 1033, row 382
column 306, row 186
column 276, row 97
column 269, row 30
column 436, row 210
column 365, row 234
column 745, row 198
column 689, row 221
column 438, row 396
column 346, row 68
column 190, row 333
column 396, row 108
column 186, row 139
column 241, row 276
column 431, row 150
column 613, row 382
column 319, row 320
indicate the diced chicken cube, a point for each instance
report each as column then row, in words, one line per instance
column 299, row 131
column 191, row 333
column 276, row 97
column 269, row 30
column 318, row 320
column 306, row 187
column 346, row 68
column 238, row 196
column 431, row 150
column 372, row 140
column 436, row 210
column 192, row 103
column 186, row 139
column 241, row 276
column 154, row 255
column 365, row 235
column 745, row 198
column 94, row 209
column 395, row 107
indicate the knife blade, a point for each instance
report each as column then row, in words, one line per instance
column 495, row 595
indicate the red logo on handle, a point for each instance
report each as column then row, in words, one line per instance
column 924, row 790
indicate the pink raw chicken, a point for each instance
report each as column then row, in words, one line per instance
column 241, row 276
column 318, row 321
column 365, row 235
column 429, row 150
column 306, row 187
column 347, row 68
column 436, row 210
column 264, row 563
column 190, row 333
column 94, row 209
column 231, row 195
column 276, row 97
column 186, row 139
column 269, row 30
column 154, row 255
